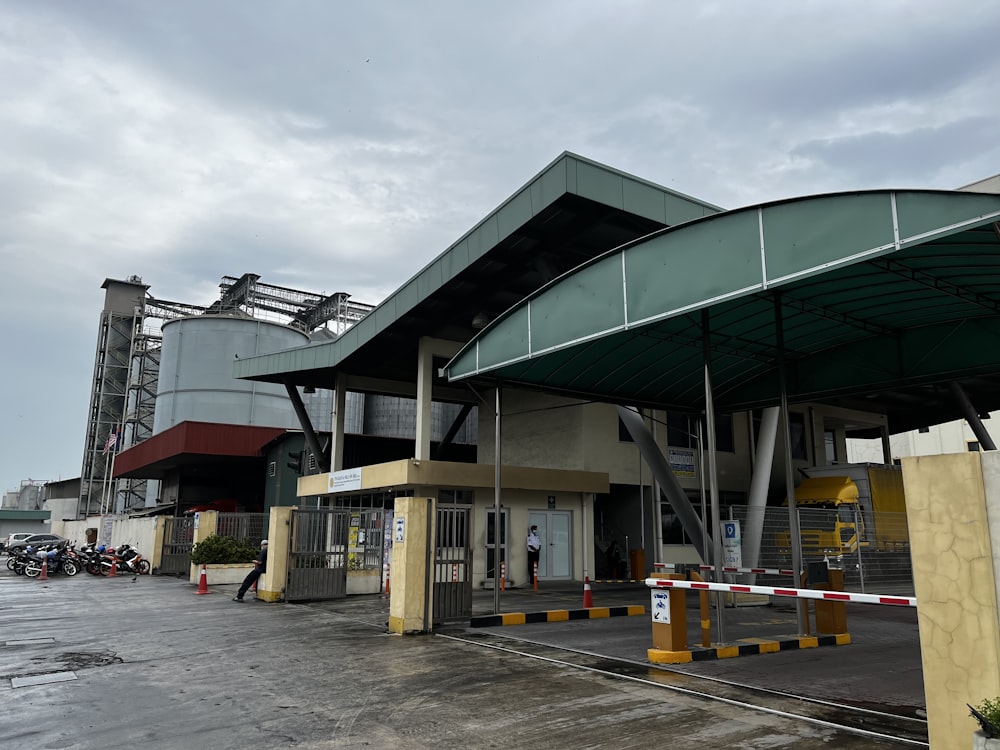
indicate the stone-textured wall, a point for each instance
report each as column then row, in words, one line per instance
column 953, row 511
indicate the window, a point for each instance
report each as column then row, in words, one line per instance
column 797, row 431
column 973, row 446
column 624, row 436
column 796, row 428
column 682, row 431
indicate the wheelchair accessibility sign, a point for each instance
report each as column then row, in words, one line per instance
column 660, row 606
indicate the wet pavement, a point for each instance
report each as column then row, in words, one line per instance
column 150, row 664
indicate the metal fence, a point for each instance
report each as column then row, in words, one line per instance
column 873, row 552
column 366, row 539
column 244, row 527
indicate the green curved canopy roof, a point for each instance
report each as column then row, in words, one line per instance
column 879, row 291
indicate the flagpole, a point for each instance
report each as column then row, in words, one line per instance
column 112, row 487
column 104, row 489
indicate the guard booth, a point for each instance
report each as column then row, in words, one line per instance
column 317, row 554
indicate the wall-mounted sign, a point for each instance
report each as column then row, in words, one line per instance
column 682, row 462
column 552, row 501
column 400, row 528
column 346, row 479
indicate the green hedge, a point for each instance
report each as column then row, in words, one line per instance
column 222, row 550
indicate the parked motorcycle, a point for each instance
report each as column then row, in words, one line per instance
column 61, row 558
column 125, row 559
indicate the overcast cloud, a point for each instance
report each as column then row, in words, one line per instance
column 341, row 146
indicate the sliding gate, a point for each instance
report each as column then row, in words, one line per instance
column 453, row 563
column 317, row 559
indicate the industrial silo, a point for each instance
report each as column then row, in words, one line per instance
column 196, row 380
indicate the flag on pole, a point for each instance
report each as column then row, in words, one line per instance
column 112, row 440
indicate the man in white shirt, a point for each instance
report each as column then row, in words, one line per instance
column 534, row 549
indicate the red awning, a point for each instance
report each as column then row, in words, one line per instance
column 192, row 443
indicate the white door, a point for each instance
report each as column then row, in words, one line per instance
column 554, row 530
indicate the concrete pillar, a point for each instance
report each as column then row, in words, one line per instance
column 759, row 484
column 425, row 387
column 670, row 643
column 156, row 554
column 271, row 585
column 410, row 606
column 205, row 524
column 337, row 424
column 953, row 514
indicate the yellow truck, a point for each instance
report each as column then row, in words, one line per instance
column 863, row 505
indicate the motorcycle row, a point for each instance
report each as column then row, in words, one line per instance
column 96, row 559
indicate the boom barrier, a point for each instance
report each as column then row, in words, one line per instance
column 836, row 596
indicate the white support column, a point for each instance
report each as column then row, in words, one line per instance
column 337, row 424
column 425, row 387
column 759, row 484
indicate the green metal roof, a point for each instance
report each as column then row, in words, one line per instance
column 884, row 294
column 572, row 211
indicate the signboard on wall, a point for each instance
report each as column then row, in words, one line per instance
column 346, row 479
column 682, row 462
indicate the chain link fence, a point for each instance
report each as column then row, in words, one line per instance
column 873, row 552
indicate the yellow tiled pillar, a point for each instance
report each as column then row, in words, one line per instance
column 411, row 601
column 953, row 514
column 205, row 524
column 271, row 585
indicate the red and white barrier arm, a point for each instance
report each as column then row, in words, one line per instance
column 762, row 571
column 737, row 588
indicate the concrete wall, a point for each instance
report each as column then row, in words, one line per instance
column 138, row 532
column 953, row 512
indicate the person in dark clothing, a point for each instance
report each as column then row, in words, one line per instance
column 614, row 558
column 260, row 567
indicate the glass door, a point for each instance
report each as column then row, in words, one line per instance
column 554, row 530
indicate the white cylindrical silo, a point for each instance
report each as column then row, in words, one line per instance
column 196, row 380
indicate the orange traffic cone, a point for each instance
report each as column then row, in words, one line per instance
column 44, row 575
column 203, row 582
column 114, row 567
column 588, row 597
column 534, row 577
column 387, row 571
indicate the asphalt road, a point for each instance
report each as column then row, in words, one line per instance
column 153, row 665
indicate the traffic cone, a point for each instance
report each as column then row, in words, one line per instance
column 203, row 582
column 44, row 575
column 387, row 571
column 535, row 576
column 588, row 597
column 114, row 567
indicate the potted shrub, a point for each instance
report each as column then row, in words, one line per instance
column 987, row 713
column 226, row 560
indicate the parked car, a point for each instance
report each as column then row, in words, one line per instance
column 34, row 540
column 11, row 538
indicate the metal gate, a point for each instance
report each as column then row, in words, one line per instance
column 178, row 539
column 317, row 559
column 453, row 563
column 244, row 527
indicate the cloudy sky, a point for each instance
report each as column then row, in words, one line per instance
column 334, row 146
